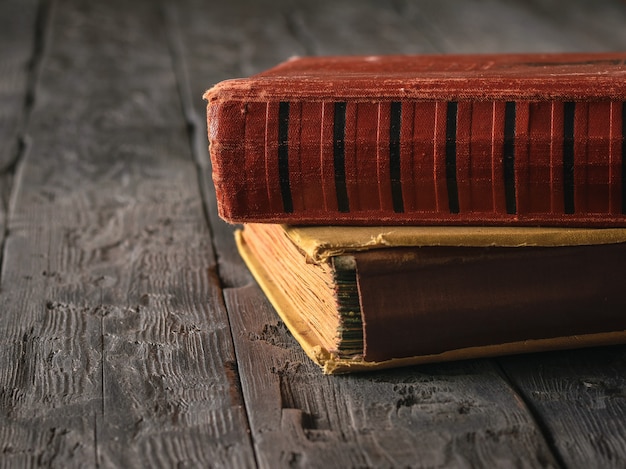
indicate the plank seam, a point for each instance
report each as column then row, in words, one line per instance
column 42, row 32
column 533, row 412
column 199, row 151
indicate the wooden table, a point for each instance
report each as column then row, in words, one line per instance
column 132, row 333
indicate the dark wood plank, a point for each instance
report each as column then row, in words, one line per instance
column 116, row 349
column 18, row 23
column 331, row 28
column 501, row 26
column 18, row 59
column 592, row 25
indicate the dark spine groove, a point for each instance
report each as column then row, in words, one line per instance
column 569, row 111
column 453, row 191
column 283, row 156
column 394, row 156
column 509, row 158
column 339, row 157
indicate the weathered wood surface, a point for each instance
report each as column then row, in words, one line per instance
column 18, row 71
column 132, row 332
column 116, row 349
column 18, row 58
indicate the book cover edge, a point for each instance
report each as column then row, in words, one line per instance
column 322, row 242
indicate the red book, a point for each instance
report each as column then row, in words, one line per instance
column 522, row 139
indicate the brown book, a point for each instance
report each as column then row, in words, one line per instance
column 434, row 139
column 358, row 298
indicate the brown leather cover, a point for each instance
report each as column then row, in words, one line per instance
column 431, row 300
column 490, row 139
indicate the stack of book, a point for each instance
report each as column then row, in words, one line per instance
column 408, row 209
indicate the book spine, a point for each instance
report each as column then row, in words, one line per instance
column 414, row 161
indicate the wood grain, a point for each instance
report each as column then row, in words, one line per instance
column 116, row 349
column 580, row 398
column 18, row 70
